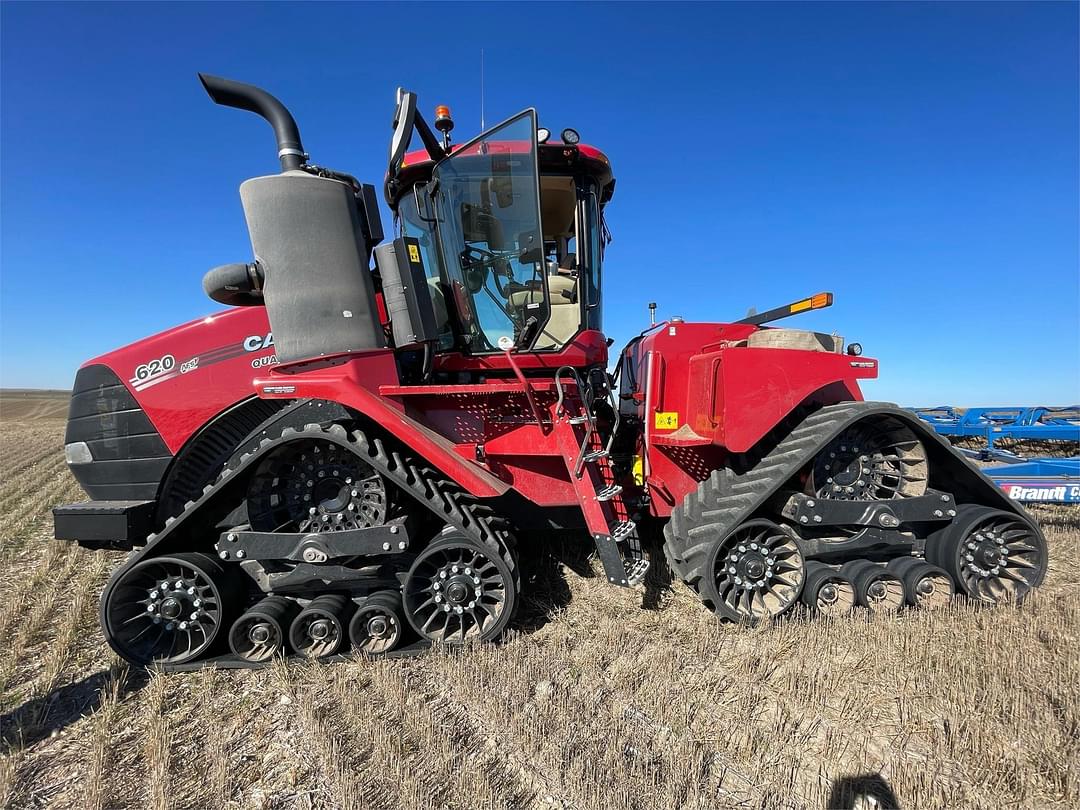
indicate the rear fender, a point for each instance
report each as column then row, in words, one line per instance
column 758, row 388
column 733, row 396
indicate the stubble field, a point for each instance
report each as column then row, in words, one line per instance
column 600, row 697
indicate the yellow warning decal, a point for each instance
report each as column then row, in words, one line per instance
column 638, row 471
column 666, row 420
column 414, row 254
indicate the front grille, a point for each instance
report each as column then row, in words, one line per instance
column 128, row 455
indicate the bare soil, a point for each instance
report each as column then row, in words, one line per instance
column 600, row 697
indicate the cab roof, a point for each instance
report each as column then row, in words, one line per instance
column 553, row 158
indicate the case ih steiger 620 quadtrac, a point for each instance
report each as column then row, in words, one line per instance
column 345, row 458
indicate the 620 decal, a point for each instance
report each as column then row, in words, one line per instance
column 161, row 365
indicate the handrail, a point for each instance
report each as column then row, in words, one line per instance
column 528, row 389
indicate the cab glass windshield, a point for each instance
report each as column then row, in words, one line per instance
column 487, row 205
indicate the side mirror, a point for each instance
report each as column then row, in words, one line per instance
column 404, row 120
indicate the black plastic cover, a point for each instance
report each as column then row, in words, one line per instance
column 104, row 524
column 408, row 297
column 129, row 457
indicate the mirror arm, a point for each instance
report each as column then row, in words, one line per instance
column 431, row 143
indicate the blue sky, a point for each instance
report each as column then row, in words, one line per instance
column 919, row 160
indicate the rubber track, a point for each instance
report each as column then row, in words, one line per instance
column 439, row 495
column 726, row 499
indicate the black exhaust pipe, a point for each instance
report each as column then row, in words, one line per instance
column 254, row 99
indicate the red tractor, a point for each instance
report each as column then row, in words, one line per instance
column 351, row 457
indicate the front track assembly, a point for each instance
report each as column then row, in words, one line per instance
column 312, row 557
column 858, row 504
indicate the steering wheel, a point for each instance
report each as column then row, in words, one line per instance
column 475, row 261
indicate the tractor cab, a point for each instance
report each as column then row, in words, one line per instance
column 509, row 231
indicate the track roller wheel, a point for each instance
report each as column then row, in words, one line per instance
column 318, row 630
column 167, row 610
column 993, row 555
column 262, row 632
column 875, row 587
column 925, row 585
column 826, row 591
column 757, row 572
column 378, row 624
column 457, row 590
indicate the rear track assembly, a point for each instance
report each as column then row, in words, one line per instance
column 856, row 478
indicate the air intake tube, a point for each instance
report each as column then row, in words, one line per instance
column 254, row 99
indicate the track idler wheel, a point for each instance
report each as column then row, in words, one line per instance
column 876, row 588
column 318, row 630
column 757, row 572
column 925, row 585
column 262, row 632
column 826, row 591
column 457, row 590
column 378, row 625
column 993, row 555
column 167, row 610
column 875, row 459
column 315, row 486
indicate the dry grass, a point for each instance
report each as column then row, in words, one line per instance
column 597, row 703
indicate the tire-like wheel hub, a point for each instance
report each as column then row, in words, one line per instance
column 884, row 594
column 177, row 604
column 457, row 588
column 986, row 553
column 317, row 632
column 378, row 627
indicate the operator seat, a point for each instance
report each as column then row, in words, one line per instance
column 565, row 317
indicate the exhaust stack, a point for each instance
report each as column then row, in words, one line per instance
column 242, row 96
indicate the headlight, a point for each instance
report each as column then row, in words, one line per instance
column 77, row 453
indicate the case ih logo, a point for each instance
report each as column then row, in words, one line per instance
column 253, row 343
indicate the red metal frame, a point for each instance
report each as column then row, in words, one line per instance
column 713, row 395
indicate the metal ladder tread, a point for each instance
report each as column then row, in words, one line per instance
column 622, row 529
column 595, row 455
column 635, row 570
column 607, row 493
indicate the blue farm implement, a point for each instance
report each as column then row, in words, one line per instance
column 1023, row 478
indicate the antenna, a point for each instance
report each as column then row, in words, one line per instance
column 652, row 313
column 481, row 89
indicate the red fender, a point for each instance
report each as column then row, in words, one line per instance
column 353, row 381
